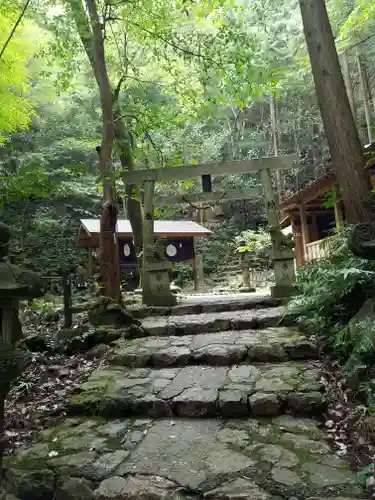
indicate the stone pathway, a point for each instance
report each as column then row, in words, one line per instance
column 220, row 400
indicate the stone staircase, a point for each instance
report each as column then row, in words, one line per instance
column 226, row 279
column 217, row 400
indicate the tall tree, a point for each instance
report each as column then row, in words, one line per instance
column 91, row 31
column 339, row 125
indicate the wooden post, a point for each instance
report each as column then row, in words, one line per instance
column 304, row 229
column 197, row 269
column 314, row 233
column 298, row 243
column 67, row 289
column 198, row 272
column 148, row 237
column 90, row 266
column 276, row 139
column 339, row 216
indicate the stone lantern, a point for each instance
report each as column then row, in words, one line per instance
column 16, row 284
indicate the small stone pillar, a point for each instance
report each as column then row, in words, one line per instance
column 15, row 284
column 156, row 290
column 282, row 253
column 246, row 286
column 283, row 265
column 156, row 268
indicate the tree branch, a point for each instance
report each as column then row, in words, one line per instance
column 19, row 19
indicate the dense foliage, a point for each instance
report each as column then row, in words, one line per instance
column 329, row 297
column 195, row 83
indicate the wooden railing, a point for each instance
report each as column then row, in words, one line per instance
column 317, row 250
column 258, row 277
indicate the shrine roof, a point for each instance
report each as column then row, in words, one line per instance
column 312, row 193
column 161, row 228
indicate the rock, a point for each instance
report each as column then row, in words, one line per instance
column 30, row 485
column 323, row 475
column 264, row 404
column 36, row 343
column 278, row 456
column 244, row 373
column 89, row 338
column 137, row 488
column 302, row 442
column 105, row 313
column 65, row 334
column 266, row 352
column 134, row 332
column 105, row 465
column 196, row 402
column 98, row 351
column 220, row 355
column 111, row 489
column 233, row 404
column 151, row 406
column 303, row 349
column 235, row 437
column 171, row 355
column 237, row 489
column 75, row 464
column 74, row 488
column 285, row 476
column 306, row 402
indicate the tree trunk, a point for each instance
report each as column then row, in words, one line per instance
column 339, row 125
column 275, row 140
column 364, row 96
column 348, row 82
column 370, row 94
column 134, row 205
column 108, row 247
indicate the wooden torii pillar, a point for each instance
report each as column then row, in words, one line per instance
column 280, row 256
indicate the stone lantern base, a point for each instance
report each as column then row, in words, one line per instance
column 285, row 276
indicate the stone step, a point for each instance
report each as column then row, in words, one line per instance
column 217, row 349
column 209, row 459
column 202, row 391
column 228, row 274
column 208, row 303
column 192, row 324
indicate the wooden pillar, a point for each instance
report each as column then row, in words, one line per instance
column 197, row 269
column 67, row 292
column 339, row 216
column 304, row 228
column 314, row 229
column 90, row 263
column 148, row 237
column 298, row 243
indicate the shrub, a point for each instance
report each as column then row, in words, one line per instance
column 329, row 293
column 257, row 244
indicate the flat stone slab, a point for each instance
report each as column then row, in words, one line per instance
column 259, row 459
column 190, row 324
column 202, row 391
column 217, row 349
column 208, row 303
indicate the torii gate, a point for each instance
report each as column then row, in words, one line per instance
column 155, row 271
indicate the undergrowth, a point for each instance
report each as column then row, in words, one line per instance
column 329, row 295
column 335, row 301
